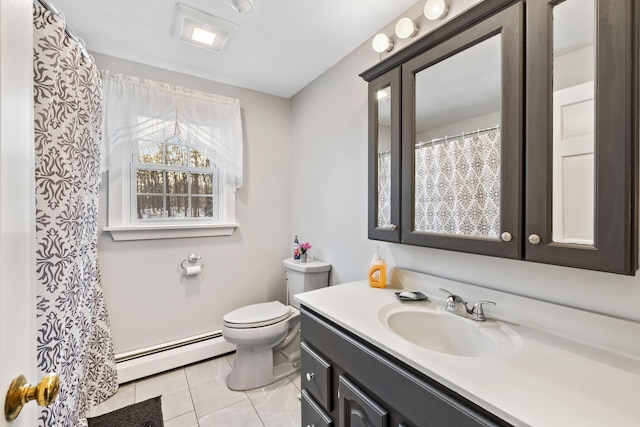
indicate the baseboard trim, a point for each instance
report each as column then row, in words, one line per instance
column 164, row 358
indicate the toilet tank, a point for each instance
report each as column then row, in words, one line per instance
column 307, row 276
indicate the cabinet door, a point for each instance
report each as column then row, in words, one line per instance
column 315, row 375
column 384, row 157
column 462, row 140
column 581, row 131
column 312, row 414
column 357, row 409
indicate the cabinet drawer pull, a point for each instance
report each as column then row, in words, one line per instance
column 506, row 236
column 534, row 239
column 310, row 376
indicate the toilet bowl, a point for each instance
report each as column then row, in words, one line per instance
column 267, row 335
column 257, row 331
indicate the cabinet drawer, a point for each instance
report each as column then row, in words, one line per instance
column 315, row 376
column 312, row 413
column 358, row 409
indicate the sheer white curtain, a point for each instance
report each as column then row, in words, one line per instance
column 136, row 109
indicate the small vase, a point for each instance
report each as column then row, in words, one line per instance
column 303, row 257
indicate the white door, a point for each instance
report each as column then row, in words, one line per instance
column 573, row 164
column 17, row 218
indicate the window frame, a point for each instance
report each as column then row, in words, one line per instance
column 122, row 221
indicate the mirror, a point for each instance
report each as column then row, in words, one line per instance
column 384, row 157
column 457, row 170
column 573, row 122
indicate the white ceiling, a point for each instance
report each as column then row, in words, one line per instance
column 280, row 47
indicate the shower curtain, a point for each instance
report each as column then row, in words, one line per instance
column 457, row 185
column 73, row 333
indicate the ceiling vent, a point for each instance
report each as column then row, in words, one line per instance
column 200, row 29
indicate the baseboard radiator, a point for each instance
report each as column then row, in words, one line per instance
column 148, row 361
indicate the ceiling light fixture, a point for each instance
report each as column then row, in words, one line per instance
column 406, row 28
column 242, row 6
column 382, row 43
column 436, row 9
column 200, row 29
column 201, row 35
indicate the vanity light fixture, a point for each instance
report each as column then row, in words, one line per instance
column 200, row 29
column 242, row 6
column 406, row 28
column 382, row 43
column 436, row 9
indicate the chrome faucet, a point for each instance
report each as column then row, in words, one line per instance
column 456, row 305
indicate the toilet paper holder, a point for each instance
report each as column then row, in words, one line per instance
column 192, row 259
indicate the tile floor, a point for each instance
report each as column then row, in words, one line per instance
column 197, row 396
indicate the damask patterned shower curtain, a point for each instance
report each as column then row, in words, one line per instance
column 457, row 185
column 74, row 337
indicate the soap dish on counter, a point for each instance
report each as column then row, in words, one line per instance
column 419, row 296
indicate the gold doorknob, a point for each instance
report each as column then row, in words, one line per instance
column 20, row 393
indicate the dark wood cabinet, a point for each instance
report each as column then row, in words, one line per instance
column 372, row 388
column 615, row 140
column 506, row 28
column 357, row 409
column 384, row 160
column 563, row 187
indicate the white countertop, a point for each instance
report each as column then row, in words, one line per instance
column 546, row 381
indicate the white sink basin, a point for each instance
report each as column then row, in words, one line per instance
column 435, row 329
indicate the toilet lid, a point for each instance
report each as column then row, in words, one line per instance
column 256, row 315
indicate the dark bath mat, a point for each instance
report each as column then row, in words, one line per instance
column 142, row 414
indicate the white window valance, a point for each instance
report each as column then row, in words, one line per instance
column 142, row 111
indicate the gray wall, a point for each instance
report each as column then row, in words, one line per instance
column 149, row 300
column 328, row 193
column 305, row 174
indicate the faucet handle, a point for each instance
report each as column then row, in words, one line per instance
column 450, row 300
column 478, row 312
column 447, row 292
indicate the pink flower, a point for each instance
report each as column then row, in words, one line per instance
column 304, row 247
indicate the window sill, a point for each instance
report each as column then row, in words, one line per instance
column 150, row 232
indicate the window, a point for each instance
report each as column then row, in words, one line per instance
column 173, row 181
column 174, row 160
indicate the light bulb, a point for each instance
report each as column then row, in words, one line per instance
column 435, row 9
column 406, row 28
column 382, row 43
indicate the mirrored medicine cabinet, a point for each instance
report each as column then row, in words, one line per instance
column 511, row 131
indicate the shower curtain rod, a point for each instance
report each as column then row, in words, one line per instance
column 460, row 135
column 446, row 138
column 67, row 29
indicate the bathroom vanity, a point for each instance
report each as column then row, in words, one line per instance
column 346, row 379
column 369, row 359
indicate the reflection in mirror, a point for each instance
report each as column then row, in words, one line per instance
column 573, row 121
column 458, row 146
column 384, row 157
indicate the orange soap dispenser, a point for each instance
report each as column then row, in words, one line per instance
column 378, row 271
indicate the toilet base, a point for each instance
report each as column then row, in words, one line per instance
column 254, row 369
column 247, row 373
column 251, row 369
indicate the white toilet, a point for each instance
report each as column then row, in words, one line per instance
column 267, row 335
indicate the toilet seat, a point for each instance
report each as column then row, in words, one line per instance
column 257, row 315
